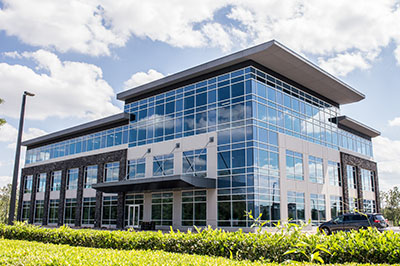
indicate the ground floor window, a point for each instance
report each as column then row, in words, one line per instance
column 134, row 199
column 88, row 210
column 53, row 211
column 110, row 210
column 336, row 206
column 69, row 211
column 39, row 210
column 194, row 208
column 161, row 208
column 296, row 206
column 353, row 204
column 369, row 206
column 26, row 208
column 318, row 209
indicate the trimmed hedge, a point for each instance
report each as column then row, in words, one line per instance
column 289, row 243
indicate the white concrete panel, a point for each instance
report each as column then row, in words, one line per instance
column 353, row 193
column 70, row 193
column 27, row 197
column 54, row 194
column 40, row 196
column 185, row 144
column 287, row 142
column 89, row 193
column 369, row 195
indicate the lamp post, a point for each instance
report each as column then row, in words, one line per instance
column 16, row 162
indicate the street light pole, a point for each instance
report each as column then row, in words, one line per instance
column 16, row 162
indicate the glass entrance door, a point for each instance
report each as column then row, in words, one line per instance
column 133, row 215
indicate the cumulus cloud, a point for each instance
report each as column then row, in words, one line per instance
column 394, row 122
column 342, row 34
column 63, row 88
column 8, row 133
column 387, row 154
column 4, row 180
column 141, row 78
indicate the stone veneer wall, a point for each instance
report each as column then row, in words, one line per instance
column 81, row 162
column 359, row 163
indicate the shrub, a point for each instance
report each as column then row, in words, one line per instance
column 288, row 243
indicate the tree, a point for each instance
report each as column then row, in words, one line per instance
column 391, row 205
column 2, row 120
column 5, row 195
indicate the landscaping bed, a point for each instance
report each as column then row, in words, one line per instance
column 288, row 244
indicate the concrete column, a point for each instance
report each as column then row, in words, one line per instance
column 345, row 184
column 120, row 210
column 47, row 198
column 147, row 207
column 99, row 196
column 360, row 194
column 212, row 207
column 377, row 195
column 62, row 196
column 33, row 198
column 177, row 209
column 21, row 195
column 79, row 195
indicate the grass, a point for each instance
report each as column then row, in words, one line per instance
column 18, row 252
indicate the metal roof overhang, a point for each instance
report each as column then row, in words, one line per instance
column 352, row 124
column 272, row 55
column 100, row 123
column 156, row 183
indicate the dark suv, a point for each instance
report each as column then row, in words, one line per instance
column 355, row 221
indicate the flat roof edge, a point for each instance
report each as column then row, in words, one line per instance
column 121, row 117
column 348, row 93
column 357, row 126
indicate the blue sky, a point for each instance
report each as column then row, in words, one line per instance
column 76, row 55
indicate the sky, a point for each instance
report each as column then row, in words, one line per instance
column 76, row 55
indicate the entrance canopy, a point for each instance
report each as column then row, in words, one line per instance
column 156, row 183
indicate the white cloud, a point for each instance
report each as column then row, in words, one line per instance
column 394, row 122
column 8, row 133
column 4, row 180
column 14, row 54
column 387, row 154
column 141, row 78
column 342, row 64
column 342, row 34
column 63, row 88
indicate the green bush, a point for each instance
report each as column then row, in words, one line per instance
column 289, row 243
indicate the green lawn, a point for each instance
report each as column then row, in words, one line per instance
column 17, row 252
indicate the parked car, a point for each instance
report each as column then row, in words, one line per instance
column 354, row 221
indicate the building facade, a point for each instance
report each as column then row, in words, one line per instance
column 259, row 130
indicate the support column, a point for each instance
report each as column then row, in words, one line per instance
column 62, row 196
column 47, row 198
column 79, row 194
column 345, row 184
column 121, row 210
column 99, row 197
column 21, row 196
column 360, row 194
column 33, row 199
column 377, row 194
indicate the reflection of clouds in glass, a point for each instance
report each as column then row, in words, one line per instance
column 158, row 120
column 198, row 161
